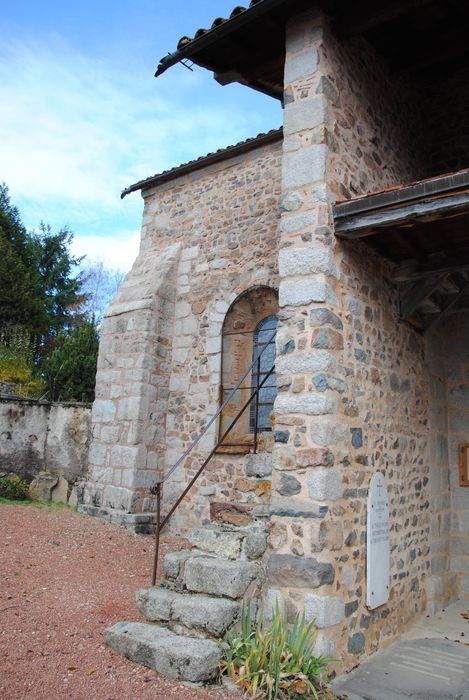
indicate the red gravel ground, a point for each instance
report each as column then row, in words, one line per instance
column 65, row 578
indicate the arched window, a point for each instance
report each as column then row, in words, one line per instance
column 249, row 324
column 264, row 351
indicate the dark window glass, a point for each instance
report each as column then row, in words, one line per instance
column 264, row 339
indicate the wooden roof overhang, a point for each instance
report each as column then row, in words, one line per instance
column 249, row 46
column 423, row 228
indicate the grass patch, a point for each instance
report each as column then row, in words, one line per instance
column 12, row 502
column 40, row 505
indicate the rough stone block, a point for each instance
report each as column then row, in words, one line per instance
column 231, row 513
column 210, row 615
column 258, row 465
column 325, row 317
column 41, row 486
column 307, row 404
column 103, row 411
column 178, row 658
column 306, row 261
column 288, row 485
column 173, row 563
column 288, row 570
column 301, row 362
column 298, row 222
column 302, row 292
column 296, row 508
column 324, row 610
column 60, row 491
column 315, row 457
column 155, row 603
column 284, row 458
column 255, row 544
column 327, row 534
column 223, row 544
column 219, row 576
column 127, row 456
column 328, row 434
column 356, row 643
column 305, row 114
column 133, row 408
column 97, row 454
column 118, row 498
column 324, row 484
column 304, row 167
column 300, row 65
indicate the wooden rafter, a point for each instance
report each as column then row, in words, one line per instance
column 415, row 294
column 410, row 270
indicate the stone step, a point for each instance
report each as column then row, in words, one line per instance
column 177, row 657
column 231, row 542
column 219, row 577
column 215, row 540
column 198, row 614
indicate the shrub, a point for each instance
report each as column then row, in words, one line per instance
column 14, row 488
column 275, row 661
column 17, row 362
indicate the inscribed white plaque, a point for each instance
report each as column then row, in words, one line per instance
column 377, row 543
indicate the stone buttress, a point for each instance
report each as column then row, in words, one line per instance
column 129, row 413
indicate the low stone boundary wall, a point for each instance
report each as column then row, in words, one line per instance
column 43, row 436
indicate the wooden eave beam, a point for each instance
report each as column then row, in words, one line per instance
column 365, row 224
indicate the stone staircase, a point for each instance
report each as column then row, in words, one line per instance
column 198, row 599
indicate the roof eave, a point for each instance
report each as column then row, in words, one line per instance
column 216, row 33
column 203, row 162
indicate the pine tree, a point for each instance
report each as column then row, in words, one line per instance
column 70, row 371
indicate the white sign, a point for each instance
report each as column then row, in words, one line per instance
column 377, row 543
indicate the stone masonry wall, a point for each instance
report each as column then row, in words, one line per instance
column 441, row 586
column 447, row 109
column 353, row 382
column 377, row 132
column 456, row 333
column 42, row 436
column 206, row 238
column 226, row 219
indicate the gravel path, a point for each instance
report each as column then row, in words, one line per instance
column 65, row 578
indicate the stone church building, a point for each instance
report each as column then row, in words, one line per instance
column 338, row 247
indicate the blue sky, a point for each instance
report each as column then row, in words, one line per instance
column 82, row 116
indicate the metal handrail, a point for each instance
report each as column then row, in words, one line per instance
column 157, row 488
column 199, row 437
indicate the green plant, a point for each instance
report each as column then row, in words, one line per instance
column 14, row 488
column 275, row 661
column 70, row 371
column 17, row 361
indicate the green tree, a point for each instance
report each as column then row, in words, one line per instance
column 20, row 287
column 38, row 287
column 70, row 371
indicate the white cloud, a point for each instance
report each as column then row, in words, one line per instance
column 118, row 252
column 75, row 130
